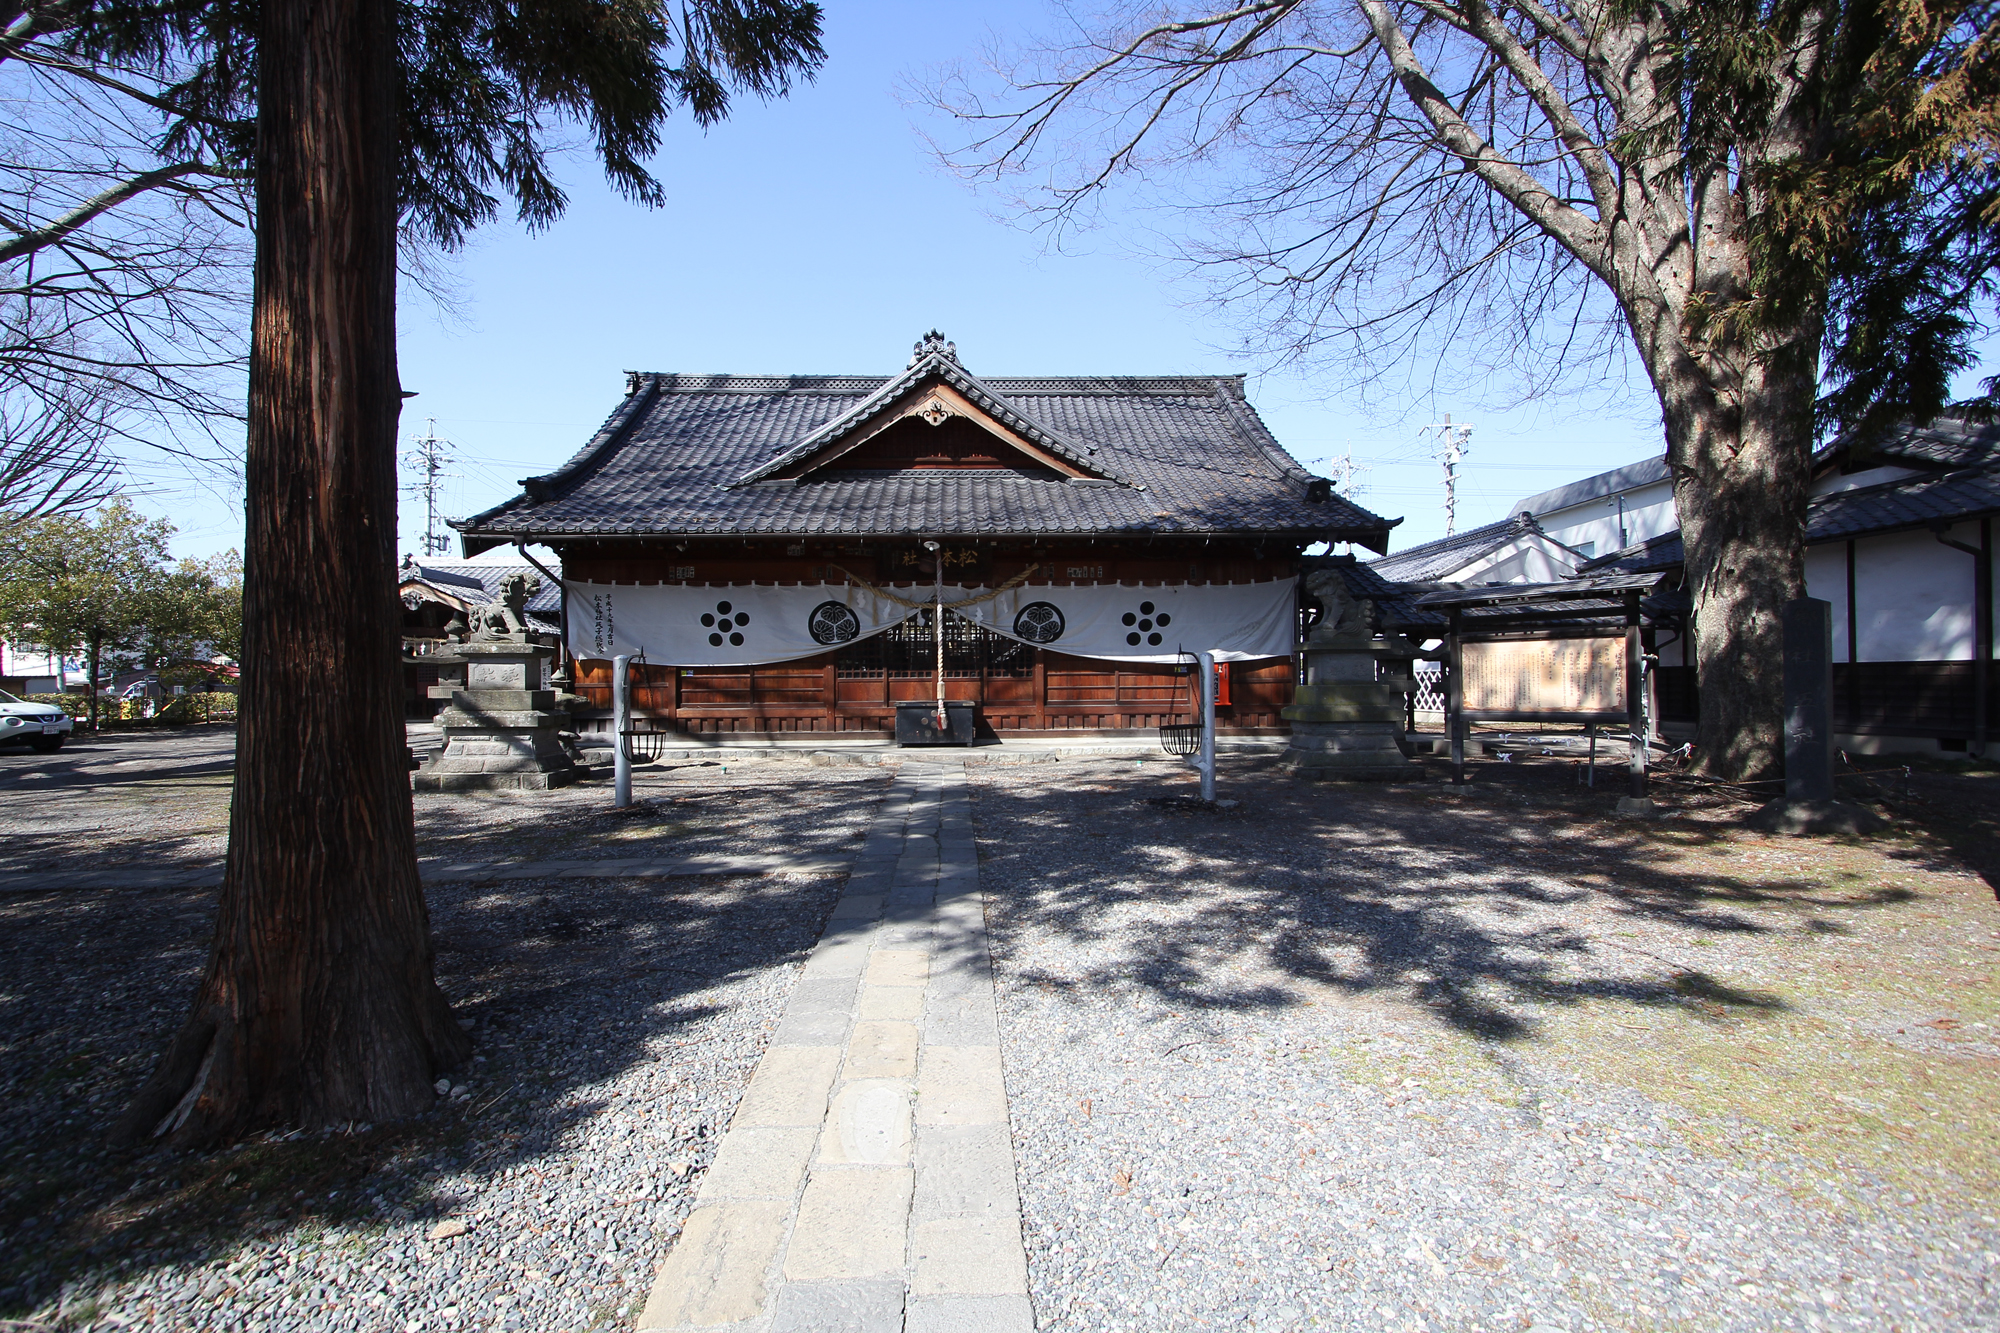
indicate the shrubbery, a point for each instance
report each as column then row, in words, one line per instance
column 176, row 710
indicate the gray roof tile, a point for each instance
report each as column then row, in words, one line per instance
column 677, row 455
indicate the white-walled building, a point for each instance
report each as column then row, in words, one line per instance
column 1608, row 512
column 1514, row 550
column 1899, row 541
column 26, row 671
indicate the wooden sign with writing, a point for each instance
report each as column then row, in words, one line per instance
column 1547, row 679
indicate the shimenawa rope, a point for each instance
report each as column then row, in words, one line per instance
column 938, row 607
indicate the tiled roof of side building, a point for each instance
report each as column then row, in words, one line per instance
column 485, row 578
column 682, row 455
column 1436, row 559
column 1891, row 506
column 1395, row 603
column 1947, row 442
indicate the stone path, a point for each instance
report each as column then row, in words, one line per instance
column 867, row 1180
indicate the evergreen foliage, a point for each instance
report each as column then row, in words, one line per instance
column 487, row 86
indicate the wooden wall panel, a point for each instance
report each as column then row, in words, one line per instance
column 1063, row 693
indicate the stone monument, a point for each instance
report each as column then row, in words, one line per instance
column 1811, row 803
column 1347, row 721
column 502, row 728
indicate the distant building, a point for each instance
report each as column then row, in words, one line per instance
column 29, row 671
column 1514, row 550
column 1607, row 512
column 1887, row 532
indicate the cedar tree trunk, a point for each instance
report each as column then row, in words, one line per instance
column 319, row 1005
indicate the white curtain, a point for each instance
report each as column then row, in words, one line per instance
column 746, row 624
column 1122, row 623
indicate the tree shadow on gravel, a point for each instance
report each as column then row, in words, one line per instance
column 567, row 985
column 1471, row 907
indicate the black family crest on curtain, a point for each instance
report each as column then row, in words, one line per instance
column 833, row 623
column 727, row 622
column 1040, row 622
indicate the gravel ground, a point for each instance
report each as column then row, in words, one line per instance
column 118, row 799
column 1390, row 1059
column 615, row 1023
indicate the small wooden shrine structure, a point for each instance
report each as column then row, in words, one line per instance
column 762, row 547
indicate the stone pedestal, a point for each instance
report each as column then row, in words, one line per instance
column 502, row 729
column 1346, row 723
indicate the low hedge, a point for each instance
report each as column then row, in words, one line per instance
column 175, row 710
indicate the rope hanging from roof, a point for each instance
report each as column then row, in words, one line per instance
column 927, row 603
column 940, row 606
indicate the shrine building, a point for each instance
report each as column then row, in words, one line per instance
column 770, row 549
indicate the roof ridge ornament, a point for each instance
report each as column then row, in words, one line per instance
column 930, row 345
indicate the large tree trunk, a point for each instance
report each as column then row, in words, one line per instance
column 319, row 1005
column 1741, row 471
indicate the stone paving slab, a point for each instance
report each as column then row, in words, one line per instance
column 878, row 1115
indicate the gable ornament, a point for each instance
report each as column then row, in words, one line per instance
column 934, row 344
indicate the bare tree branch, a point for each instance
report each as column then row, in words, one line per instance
column 28, row 240
column 52, row 459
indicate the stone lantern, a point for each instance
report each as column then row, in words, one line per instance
column 1347, row 716
column 502, row 728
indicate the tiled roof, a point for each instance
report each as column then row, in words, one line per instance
column 1890, row 506
column 1947, row 442
column 1436, row 559
column 1395, row 603
column 481, row 582
column 681, row 454
column 1646, row 557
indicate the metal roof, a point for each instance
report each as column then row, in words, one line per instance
column 1889, row 506
column 1435, row 559
column 683, row 456
column 1628, row 478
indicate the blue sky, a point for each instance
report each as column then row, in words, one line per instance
column 815, row 235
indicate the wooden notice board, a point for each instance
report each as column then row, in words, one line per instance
column 1545, row 680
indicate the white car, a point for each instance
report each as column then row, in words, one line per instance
column 43, row 727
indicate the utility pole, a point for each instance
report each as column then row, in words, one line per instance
column 1453, row 444
column 426, row 459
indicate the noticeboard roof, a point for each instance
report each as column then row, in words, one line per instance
column 1536, row 594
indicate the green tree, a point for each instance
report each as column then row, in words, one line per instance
column 193, row 612
column 84, row 585
column 1735, row 194
column 319, row 1004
